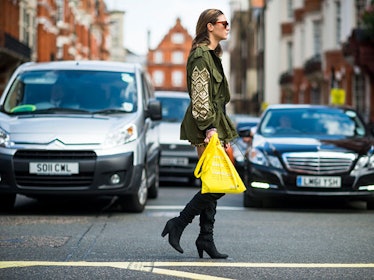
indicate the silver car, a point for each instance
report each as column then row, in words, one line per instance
column 73, row 128
column 178, row 157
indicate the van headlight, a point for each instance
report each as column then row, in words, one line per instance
column 4, row 138
column 121, row 136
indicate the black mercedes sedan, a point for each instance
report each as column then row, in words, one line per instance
column 310, row 151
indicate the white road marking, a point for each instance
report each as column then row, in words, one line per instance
column 180, row 207
column 154, row 267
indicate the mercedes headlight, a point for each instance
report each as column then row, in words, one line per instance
column 258, row 157
column 365, row 162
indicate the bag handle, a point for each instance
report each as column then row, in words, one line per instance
column 213, row 142
column 197, row 172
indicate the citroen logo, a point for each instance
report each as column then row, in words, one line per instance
column 56, row 143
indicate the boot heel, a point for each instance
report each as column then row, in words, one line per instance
column 165, row 231
column 210, row 249
column 200, row 251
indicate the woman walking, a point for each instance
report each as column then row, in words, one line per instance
column 206, row 115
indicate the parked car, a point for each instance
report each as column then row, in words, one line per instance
column 244, row 124
column 178, row 157
column 79, row 128
column 311, row 151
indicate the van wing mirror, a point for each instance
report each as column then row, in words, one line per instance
column 154, row 110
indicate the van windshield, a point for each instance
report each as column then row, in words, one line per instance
column 83, row 90
column 173, row 109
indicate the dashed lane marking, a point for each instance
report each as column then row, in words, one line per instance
column 154, row 267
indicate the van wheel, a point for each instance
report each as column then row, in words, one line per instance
column 7, row 202
column 153, row 189
column 135, row 203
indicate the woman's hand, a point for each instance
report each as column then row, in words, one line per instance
column 209, row 133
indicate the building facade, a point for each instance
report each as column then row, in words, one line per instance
column 16, row 38
column 311, row 54
column 245, row 46
column 166, row 63
column 47, row 30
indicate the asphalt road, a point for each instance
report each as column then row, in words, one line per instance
column 91, row 239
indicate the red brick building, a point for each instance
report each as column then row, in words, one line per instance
column 14, row 46
column 36, row 30
column 167, row 62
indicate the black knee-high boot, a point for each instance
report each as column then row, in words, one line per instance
column 205, row 241
column 175, row 226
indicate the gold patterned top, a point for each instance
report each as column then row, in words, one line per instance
column 209, row 93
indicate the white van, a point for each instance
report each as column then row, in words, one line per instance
column 80, row 128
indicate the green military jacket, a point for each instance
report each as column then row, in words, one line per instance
column 209, row 93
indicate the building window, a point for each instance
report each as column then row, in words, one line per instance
column 177, row 57
column 338, row 23
column 317, row 43
column 177, row 78
column 288, row 97
column 177, row 38
column 360, row 7
column 302, row 42
column 359, row 98
column 158, row 78
column 158, row 57
column 301, row 96
column 289, row 57
column 60, row 10
column 315, row 95
column 290, row 9
column 27, row 25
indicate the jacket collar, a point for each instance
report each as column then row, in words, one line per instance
column 198, row 52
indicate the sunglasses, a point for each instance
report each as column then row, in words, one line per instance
column 224, row 23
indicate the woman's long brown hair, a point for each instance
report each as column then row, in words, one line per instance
column 202, row 35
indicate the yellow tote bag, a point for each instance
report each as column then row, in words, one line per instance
column 217, row 173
